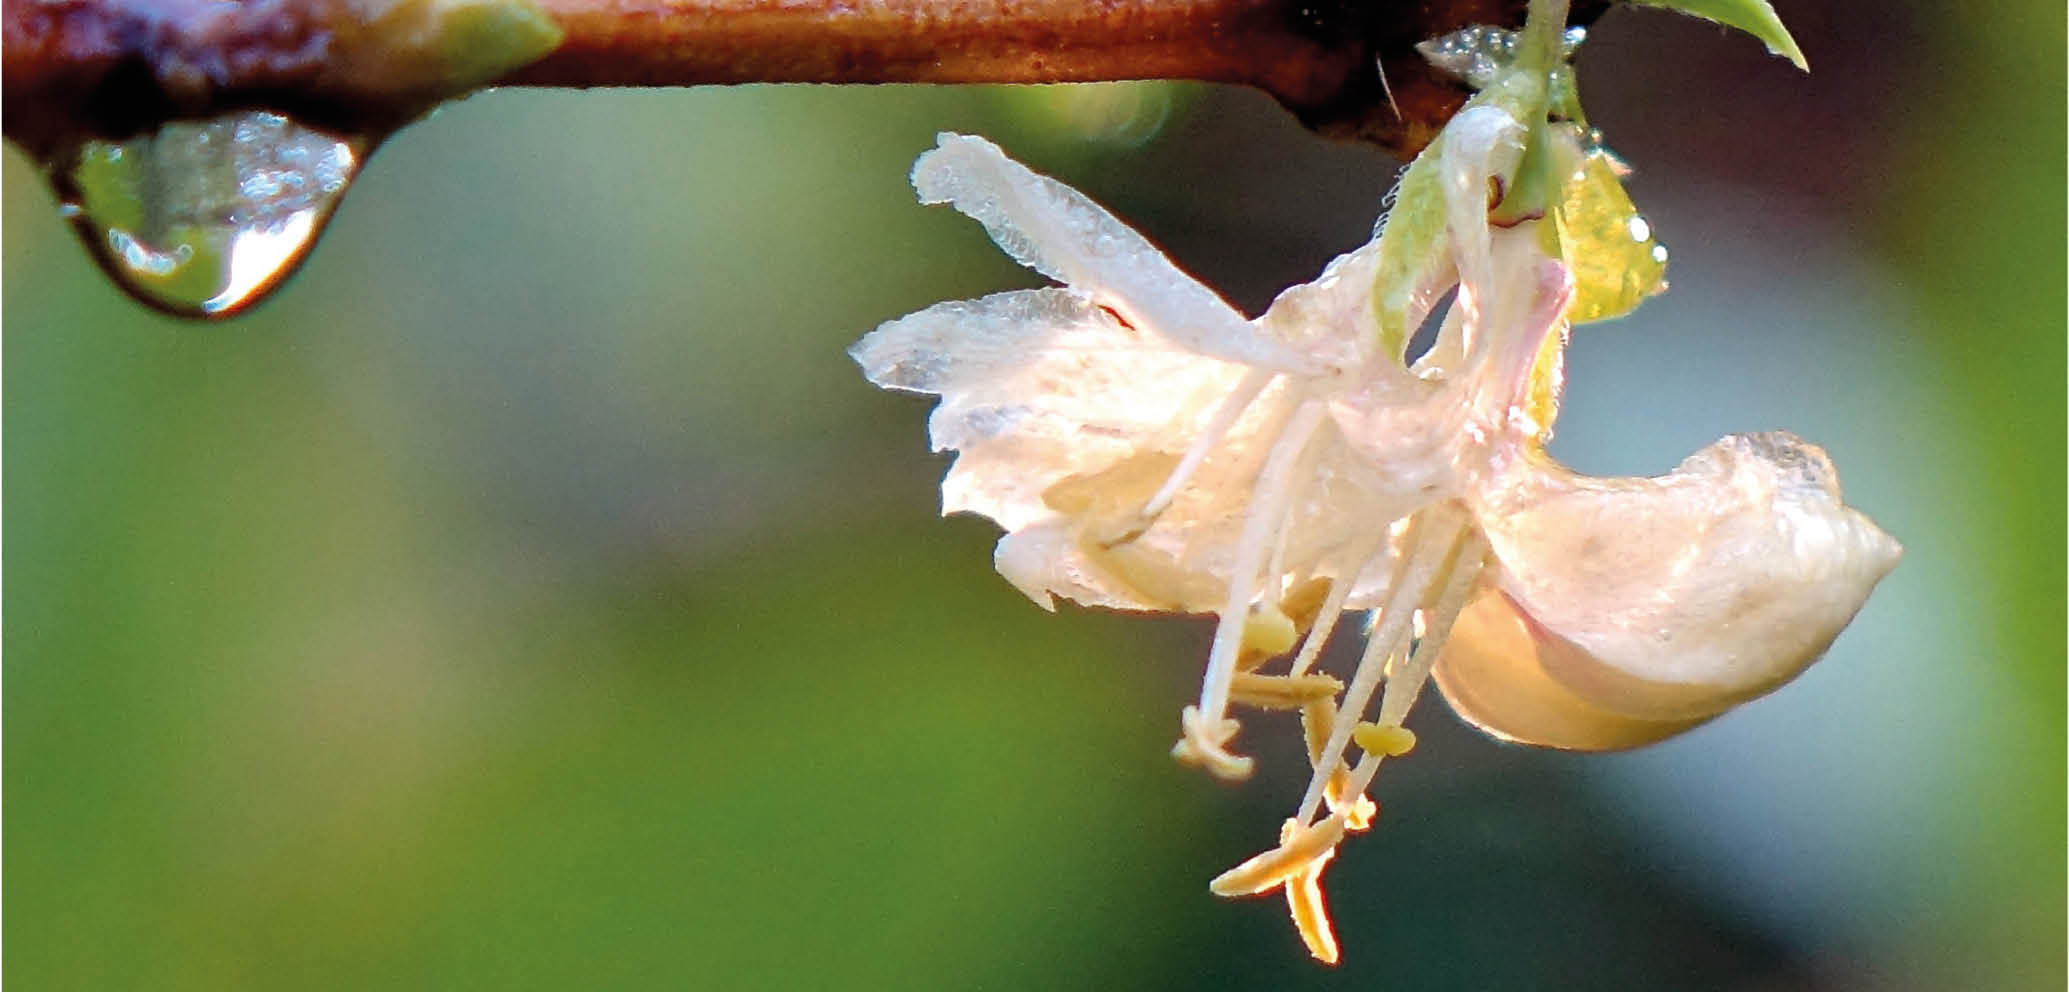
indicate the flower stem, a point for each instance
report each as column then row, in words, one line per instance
column 1544, row 31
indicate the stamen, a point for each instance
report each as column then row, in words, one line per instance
column 1404, row 686
column 1267, row 633
column 1274, row 487
column 1282, row 692
column 1203, row 745
column 1304, row 601
column 1275, row 627
column 1317, row 719
column 1310, row 913
column 1298, row 848
column 1392, row 739
column 1425, row 564
column 1332, row 607
column 1329, row 764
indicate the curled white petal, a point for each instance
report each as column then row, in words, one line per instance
column 1493, row 676
column 1058, row 232
column 1661, row 601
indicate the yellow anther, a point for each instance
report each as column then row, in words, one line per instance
column 1297, row 865
column 1298, row 848
column 1310, row 913
column 1282, row 692
column 1268, row 631
column 1273, row 629
column 1390, row 741
column 1304, row 601
column 1359, row 813
column 1203, row 746
column 1317, row 719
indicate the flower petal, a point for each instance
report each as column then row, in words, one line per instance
column 1663, row 600
column 1494, row 677
column 1482, row 146
column 1058, row 232
column 1036, row 386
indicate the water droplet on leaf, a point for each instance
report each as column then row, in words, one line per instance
column 204, row 218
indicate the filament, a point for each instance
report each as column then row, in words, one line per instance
column 1274, row 488
column 1427, row 564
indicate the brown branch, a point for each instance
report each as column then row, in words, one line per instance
column 111, row 67
column 665, row 42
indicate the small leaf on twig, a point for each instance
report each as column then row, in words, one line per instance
column 1754, row 17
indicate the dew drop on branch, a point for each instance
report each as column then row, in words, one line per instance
column 203, row 218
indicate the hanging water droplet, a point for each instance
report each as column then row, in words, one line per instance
column 204, row 218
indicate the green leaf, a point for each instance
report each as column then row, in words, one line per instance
column 1754, row 17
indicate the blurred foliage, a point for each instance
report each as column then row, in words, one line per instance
column 534, row 596
column 1985, row 251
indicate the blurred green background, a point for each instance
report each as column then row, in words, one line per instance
column 533, row 595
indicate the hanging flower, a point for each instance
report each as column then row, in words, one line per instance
column 1146, row 447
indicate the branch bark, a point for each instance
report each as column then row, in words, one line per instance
column 107, row 68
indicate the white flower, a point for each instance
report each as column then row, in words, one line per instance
column 1146, row 447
